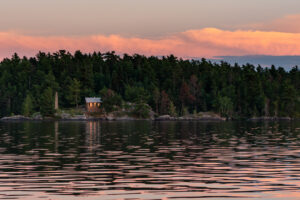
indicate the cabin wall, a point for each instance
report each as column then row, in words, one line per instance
column 93, row 107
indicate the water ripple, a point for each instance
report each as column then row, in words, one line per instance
column 145, row 160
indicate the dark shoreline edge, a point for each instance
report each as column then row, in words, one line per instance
column 160, row 118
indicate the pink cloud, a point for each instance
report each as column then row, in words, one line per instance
column 208, row 42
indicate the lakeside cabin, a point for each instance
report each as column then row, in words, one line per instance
column 93, row 104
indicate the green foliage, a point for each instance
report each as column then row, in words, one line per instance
column 165, row 103
column 136, row 94
column 47, row 102
column 141, row 110
column 28, row 106
column 73, row 92
column 110, row 100
column 224, row 106
column 72, row 111
column 172, row 110
column 185, row 111
column 167, row 84
column 156, row 97
column 288, row 100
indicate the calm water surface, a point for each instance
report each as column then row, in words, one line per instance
column 149, row 160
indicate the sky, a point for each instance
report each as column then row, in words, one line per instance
column 186, row 28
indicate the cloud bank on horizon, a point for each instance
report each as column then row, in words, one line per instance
column 279, row 37
column 208, row 42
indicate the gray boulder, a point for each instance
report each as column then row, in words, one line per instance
column 15, row 117
column 165, row 118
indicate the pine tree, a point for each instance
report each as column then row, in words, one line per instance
column 185, row 95
column 172, row 109
column 164, row 103
column 28, row 105
column 47, row 102
column 156, row 97
column 74, row 92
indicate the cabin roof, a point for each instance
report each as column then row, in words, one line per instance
column 93, row 100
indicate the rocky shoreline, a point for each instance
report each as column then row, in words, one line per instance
column 109, row 117
column 270, row 118
column 190, row 118
column 112, row 118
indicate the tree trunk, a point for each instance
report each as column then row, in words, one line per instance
column 56, row 101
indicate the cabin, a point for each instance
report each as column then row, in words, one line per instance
column 93, row 104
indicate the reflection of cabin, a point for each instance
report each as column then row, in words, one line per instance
column 93, row 104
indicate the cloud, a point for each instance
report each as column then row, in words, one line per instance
column 289, row 24
column 208, row 42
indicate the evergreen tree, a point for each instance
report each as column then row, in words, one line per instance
column 186, row 97
column 74, row 92
column 47, row 102
column 156, row 97
column 136, row 94
column 28, row 105
column 110, row 100
column 164, row 103
column 172, row 110
column 224, row 106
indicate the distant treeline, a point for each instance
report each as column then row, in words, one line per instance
column 169, row 85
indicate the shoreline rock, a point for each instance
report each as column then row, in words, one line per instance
column 165, row 118
column 75, row 117
column 15, row 118
column 265, row 118
column 112, row 117
column 190, row 118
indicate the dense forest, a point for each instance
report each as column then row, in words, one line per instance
column 168, row 84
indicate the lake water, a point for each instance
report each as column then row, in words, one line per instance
column 149, row 160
